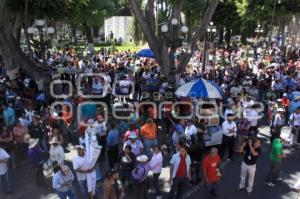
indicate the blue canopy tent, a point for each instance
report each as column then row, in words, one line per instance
column 146, row 53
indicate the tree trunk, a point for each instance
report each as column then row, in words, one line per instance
column 13, row 56
column 228, row 37
column 158, row 45
column 221, row 37
column 89, row 37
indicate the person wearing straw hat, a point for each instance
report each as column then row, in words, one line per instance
column 56, row 151
column 140, row 177
column 36, row 160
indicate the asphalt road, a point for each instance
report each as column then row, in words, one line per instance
column 24, row 186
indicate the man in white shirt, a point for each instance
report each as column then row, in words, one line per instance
column 229, row 134
column 97, row 86
column 79, row 165
column 253, row 116
column 4, row 177
column 295, row 124
column 156, row 164
column 125, row 86
column 190, row 132
column 56, row 151
column 24, row 120
column 235, row 90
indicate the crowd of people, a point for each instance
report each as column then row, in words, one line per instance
column 125, row 154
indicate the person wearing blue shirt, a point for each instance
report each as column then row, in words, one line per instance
column 62, row 183
column 88, row 110
column 9, row 115
column 294, row 104
column 112, row 142
column 291, row 83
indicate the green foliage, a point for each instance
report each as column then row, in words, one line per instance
column 91, row 12
column 121, row 8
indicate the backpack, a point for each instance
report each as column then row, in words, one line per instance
column 138, row 180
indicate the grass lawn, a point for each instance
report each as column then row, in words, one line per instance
column 124, row 47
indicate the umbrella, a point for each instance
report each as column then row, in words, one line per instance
column 146, row 53
column 200, row 88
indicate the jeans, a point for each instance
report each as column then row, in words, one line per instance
column 156, row 183
column 5, row 183
column 113, row 155
column 83, row 189
column 178, row 188
column 98, row 172
column 227, row 142
column 274, row 171
column 148, row 145
column 70, row 194
column 250, row 171
column 210, row 188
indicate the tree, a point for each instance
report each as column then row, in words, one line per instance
column 89, row 14
column 159, row 45
column 10, row 23
column 227, row 17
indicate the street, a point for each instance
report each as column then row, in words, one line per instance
column 23, row 179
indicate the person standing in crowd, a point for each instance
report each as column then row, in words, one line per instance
column 56, row 151
column 243, row 126
column 277, row 123
column 19, row 133
column 112, row 141
column 101, row 128
column 54, row 133
column 24, row 120
column 276, row 157
column 253, row 116
column 7, row 143
column 37, row 131
column 212, row 173
column 229, row 133
column 191, row 132
column 127, row 163
column 180, row 173
column 36, row 159
column 251, row 151
column 111, row 188
column 135, row 143
column 8, row 114
column 156, row 164
column 295, row 125
column 5, row 184
column 140, row 177
column 79, row 165
column 149, row 134
column 62, row 183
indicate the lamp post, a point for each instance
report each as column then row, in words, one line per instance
column 211, row 30
column 173, row 33
column 258, row 31
column 41, row 35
